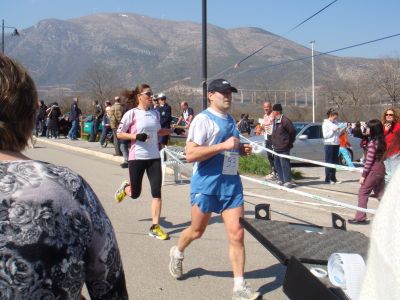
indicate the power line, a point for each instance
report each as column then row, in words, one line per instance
column 273, row 41
column 322, row 53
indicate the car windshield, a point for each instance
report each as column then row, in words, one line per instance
column 299, row 127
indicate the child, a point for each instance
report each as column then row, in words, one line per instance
column 344, row 143
column 373, row 176
column 258, row 130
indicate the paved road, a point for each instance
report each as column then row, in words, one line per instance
column 207, row 265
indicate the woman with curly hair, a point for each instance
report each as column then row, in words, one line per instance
column 373, row 175
column 391, row 123
column 54, row 234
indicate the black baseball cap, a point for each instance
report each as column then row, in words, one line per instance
column 277, row 107
column 221, row 85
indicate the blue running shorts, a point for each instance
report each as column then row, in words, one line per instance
column 216, row 203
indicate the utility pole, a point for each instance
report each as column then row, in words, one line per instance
column 204, row 52
column 312, row 79
column 2, row 36
column 15, row 33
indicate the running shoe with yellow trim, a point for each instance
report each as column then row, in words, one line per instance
column 158, row 233
column 120, row 193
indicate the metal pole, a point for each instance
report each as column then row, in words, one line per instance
column 312, row 78
column 2, row 36
column 204, row 52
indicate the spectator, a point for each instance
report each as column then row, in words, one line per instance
column 330, row 131
column 41, row 119
column 165, row 118
column 349, row 128
column 390, row 120
column 268, row 123
column 115, row 119
column 74, row 116
column 244, row 125
column 54, row 114
column 97, row 115
column 55, row 235
column 186, row 115
column 105, row 122
column 283, row 137
column 156, row 103
column 258, row 129
column 373, row 176
column 360, row 134
column 343, row 145
column 124, row 144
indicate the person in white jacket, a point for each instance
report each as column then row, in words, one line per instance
column 330, row 131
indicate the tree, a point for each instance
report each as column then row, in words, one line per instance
column 100, row 82
column 387, row 78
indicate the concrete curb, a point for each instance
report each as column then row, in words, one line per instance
column 117, row 159
column 102, row 155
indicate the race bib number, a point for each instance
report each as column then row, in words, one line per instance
column 231, row 163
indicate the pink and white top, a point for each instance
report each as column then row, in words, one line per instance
column 142, row 121
column 268, row 125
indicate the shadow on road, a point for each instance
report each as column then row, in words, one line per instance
column 276, row 271
column 177, row 228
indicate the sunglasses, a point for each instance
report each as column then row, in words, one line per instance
column 149, row 94
column 389, row 115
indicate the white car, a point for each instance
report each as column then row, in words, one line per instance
column 309, row 143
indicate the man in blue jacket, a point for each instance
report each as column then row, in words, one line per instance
column 164, row 110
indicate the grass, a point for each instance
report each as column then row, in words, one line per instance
column 259, row 165
column 254, row 164
column 177, row 143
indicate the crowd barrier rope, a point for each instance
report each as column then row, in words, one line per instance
column 314, row 162
column 177, row 161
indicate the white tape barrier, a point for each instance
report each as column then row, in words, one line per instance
column 347, row 270
column 314, row 197
column 288, row 200
column 314, row 162
column 294, row 191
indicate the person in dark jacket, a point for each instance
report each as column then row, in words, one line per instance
column 283, row 137
column 41, row 119
column 164, row 109
column 53, row 113
column 74, row 118
column 97, row 117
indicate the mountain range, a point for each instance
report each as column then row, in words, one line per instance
column 167, row 53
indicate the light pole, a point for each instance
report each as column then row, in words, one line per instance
column 204, row 51
column 312, row 79
column 15, row 32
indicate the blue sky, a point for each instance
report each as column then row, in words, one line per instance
column 344, row 23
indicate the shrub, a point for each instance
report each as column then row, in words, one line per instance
column 258, row 165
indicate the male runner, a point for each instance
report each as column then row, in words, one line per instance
column 213, row 144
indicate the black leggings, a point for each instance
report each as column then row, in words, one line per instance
column 136, row 172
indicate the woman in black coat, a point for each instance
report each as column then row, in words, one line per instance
column 53, row 113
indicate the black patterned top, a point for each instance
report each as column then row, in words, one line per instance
column 54, row 236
